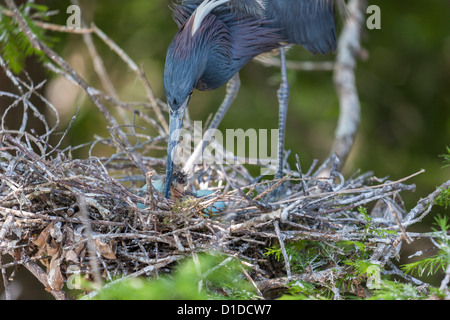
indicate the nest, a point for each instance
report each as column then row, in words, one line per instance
column 61, row 216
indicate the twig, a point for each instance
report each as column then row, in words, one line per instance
column 273, row 187
column 283, row 249
column 39, row 45
column 43, row 278
column 82, row 204
column 403, row 236
column 5, row 279
column 424, row 206
column 444, row 283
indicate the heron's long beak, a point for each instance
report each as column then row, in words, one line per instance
column 176, row 122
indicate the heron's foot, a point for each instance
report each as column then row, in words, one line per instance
column 278, row 193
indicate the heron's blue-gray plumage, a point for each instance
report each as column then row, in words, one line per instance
column 216, row 38
column 234, row 33
column 224, row 43
column 310, row 23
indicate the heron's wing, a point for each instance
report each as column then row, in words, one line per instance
column 255, row 8
column 183, row 9
column 310, row 23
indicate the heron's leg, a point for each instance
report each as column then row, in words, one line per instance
column 283, row 99
column 231, row 92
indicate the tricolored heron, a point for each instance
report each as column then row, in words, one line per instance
column 216, row 38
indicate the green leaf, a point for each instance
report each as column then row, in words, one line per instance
column 443, row 200
column 441, row 260
column 446, row 158
column 14, row 45
column 212, row 271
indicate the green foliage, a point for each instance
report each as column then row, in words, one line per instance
column 392, row 290
column 446, row 158
column 210, row 278
column 367, row 219
column 439, row 261
column 364, row 267
column 303, row 254
column 14, row 45
column 302, row 290
column 443, row 199
column 369, row 228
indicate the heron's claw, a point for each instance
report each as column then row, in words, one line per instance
column 277, row 193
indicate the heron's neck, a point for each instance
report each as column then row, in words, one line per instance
column 215, row 57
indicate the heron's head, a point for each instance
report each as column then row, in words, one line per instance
column 185, row 63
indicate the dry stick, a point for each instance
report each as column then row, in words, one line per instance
column 133, row 236
column 43, row 278
column 344, row 80
column 99, row 68
column 30, row 153
column 260, row 205
column 424, row 206
column 279, row 182
column 39, row 45
column 194, row 258
column 3, row 232
column 395, row 270
column 5, row 280
column 283, row 249
column 9, row 222
column 444, row 283
column 82, row 205
column 300, row 173
column 252, row 282
column 257, row 220
column 403, row 235
column 148, row 179
column 320, row 195
column 130, row 106
column 34, row 90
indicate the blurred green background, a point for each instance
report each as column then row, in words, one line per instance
column 404, row 88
